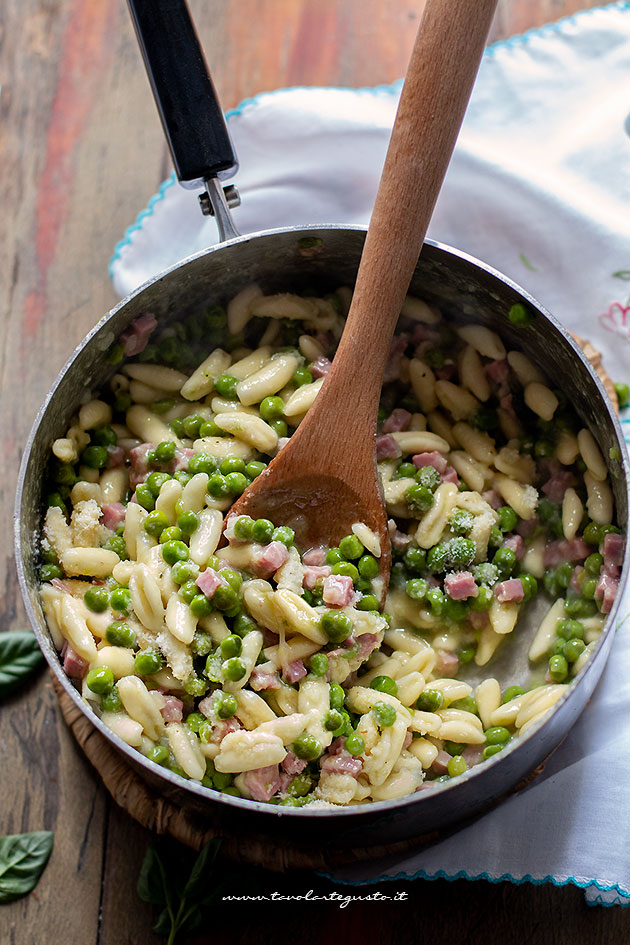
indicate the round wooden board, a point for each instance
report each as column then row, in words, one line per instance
column 191, row 828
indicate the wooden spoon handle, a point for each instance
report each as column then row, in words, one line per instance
column 441, row 74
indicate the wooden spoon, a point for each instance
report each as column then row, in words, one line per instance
column 325, row 479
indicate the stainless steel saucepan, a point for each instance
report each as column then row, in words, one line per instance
column 465, row 289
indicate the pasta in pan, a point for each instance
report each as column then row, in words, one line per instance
column 265, row 670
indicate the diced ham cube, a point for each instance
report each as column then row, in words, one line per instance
column 516, row 544
column 527, row 526
column 74, row 665
column 400, row 540
column 446, row 372
column 367, row 644
column 576, row 578
column 181, row 458
column 498, row 371
column 607, row 587
column 492, row 497
column 315, row 557
column 450, row 475
column 558, row 482
column 314, row 574
column 440, row 765
column 510, row 591
column 478, row 619
column 472, row 754
column 172, row 710
column 460, row 585
column 422, row 332
column 139, row 463
column 263, row 679
column 115, row 456
column 271, row 557
column 338, row 590
column 505, row 402
column 294, row 671
column 263, row 783
column 396, row 351
column 387, row 447
column 613, row 549
column 342, row 763
column 208, row 581
column 447, row 663
column 397, row 420
column 293, row 765
column 136, row 338
column 408, row 740
column 559, row 551
column 320, row 367
column 113, row 514
column 433, row 458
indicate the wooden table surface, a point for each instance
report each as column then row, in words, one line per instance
column 81, row 151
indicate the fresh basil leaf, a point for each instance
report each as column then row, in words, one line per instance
column 197, row 884
column 152, row 882
column 19, row 656
column 23, row 857
column 191, row 922
column 164, row 923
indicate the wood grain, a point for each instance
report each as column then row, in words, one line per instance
column 81, row 151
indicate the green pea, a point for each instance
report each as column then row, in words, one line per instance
column 367, row 602
column 165, row 451
column 512, row 692
column 284, row 534
column 456, row 766
column 225, row 598
column 163, row 405
column 384, row 714
column 195, row 686
column 231, row 646
column 430, row 700
column 100, row 679
column 333, row 720
column 236, row 483
column 120, row 633
column 201, row 643
column 337, row 696
column 623, row 393
column 104, row 435
column 202, row 463
column 271, row 408
column 435, row 599
column 111, row 701
column 300, row 786
column 429, row 477
column 384, row 684
column 243, row 624
column 157, row 753
column 155, row 523
column 558, row 668
column 306, row 747
column 589, row 586
column 63, row 474
column 460, row 522
column 497, row 735
column 594, row 563
column 557, row 647
column 336, row 625
column 417, row 588
column 263, row 531
column 484, row 419
column 48, row 572
column 200, row 606
column 572, row 649
column 347, row 569
column 564, row 573
column 319, row 665
column 176, row 426
column 368, row 566
column 508, row 519
column 419, row 498
column 225, row 705
column 225, row 386
column 505, row 560
column 96, row 599
column 454, row 748
column 172, row 533
column 145, row 497
column 405, row 471
column 210, row 428
column 188, row 522
column 466, row 654
column 334, row 556
column 218, row 486
column 254, row 469
column 243, row 527
column 173, row 551
column 436, row 558
column 96, row 457
column 569, row 629
column 520, row 315
column 232, row 464
column 117, row 544
column 483, row 600
column 192, row 425
column 120, row 600
column 302, row 376
column 355, row 744
column 122, row 402
column 184, row 571
column 530, row 585
column 148, row 662
column 593, row 534
column 496, row 537
column 491, row 750
column 574, row 607
column 543, row 448
column 351, row 548
column 155, row 481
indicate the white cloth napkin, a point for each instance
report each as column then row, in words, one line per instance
column 538, row 187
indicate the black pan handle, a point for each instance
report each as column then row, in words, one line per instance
column 192, row 118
